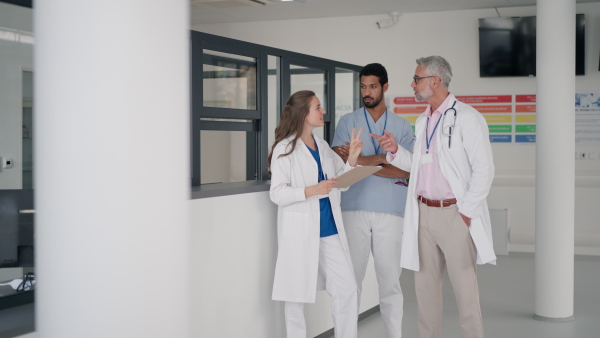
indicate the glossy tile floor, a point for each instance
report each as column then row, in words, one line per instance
column 507, row 303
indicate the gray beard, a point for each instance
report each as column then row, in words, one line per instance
column 420, row 98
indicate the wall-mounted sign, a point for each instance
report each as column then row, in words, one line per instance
column 512, row 118
column 587, row 119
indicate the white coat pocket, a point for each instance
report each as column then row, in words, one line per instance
column 296, row 225
column 454, row 140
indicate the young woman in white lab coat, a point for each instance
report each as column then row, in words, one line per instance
column 312, row 247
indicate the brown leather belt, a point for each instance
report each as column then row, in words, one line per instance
column 437, row 203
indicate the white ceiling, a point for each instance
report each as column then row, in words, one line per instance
column 228, row 11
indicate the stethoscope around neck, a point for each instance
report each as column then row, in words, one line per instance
column 446, row 129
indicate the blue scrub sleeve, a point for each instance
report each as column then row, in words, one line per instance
column 342, row 133
column 407, row 140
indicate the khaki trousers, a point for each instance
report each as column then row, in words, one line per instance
column 445, row 242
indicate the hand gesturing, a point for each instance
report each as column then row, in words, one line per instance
column 356, row 145
column 387, row 142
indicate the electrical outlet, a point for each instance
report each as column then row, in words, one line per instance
column 6, row 163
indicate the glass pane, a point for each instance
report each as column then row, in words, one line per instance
column 273, row 99
column 27, row 133
column 304, row 78
column 229, row 81
column 346, row 92
column 224, row 156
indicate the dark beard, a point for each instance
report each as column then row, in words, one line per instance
column 374, row 104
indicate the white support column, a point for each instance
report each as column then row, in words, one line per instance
column 555, row 166
column 112, row 168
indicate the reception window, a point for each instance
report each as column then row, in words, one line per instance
column 238, row 92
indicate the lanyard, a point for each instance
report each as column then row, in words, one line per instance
column 370, row 132
column 429, row 138
column 322, row 175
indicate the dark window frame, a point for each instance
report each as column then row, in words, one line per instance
column 255, row 142
column 22, row 3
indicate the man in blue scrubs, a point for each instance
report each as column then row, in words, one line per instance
column 373, row 208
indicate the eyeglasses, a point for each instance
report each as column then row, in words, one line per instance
column 417, row 78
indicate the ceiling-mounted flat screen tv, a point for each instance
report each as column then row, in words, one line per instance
column 507, row 46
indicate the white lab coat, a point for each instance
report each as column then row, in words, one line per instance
column 298, row 218
column 469, row 168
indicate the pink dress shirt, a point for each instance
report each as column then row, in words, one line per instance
column 431, row 183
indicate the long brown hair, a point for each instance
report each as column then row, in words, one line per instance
column 292, row 121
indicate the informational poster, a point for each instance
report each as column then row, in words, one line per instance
column 587, row 119
column 525, row 118
column 408, row 108
column 497, row 110
column 513, row 118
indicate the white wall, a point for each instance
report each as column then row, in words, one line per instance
column 112, row 148
column 14, row 57
column 453, row 35
column 234, row 253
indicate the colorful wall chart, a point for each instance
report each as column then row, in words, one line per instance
column 513, row 118
column 525, row 118
column 498, row 111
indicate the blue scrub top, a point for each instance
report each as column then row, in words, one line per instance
column 374, row 193
column 328, row 227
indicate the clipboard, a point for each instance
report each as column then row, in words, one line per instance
column 354, row 175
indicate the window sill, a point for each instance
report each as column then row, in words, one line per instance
column 226, row 189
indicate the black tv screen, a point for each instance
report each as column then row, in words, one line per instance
column 507, row 46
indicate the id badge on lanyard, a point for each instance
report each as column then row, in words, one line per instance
column 428, row 157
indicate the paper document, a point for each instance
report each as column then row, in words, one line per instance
column 354, row 175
